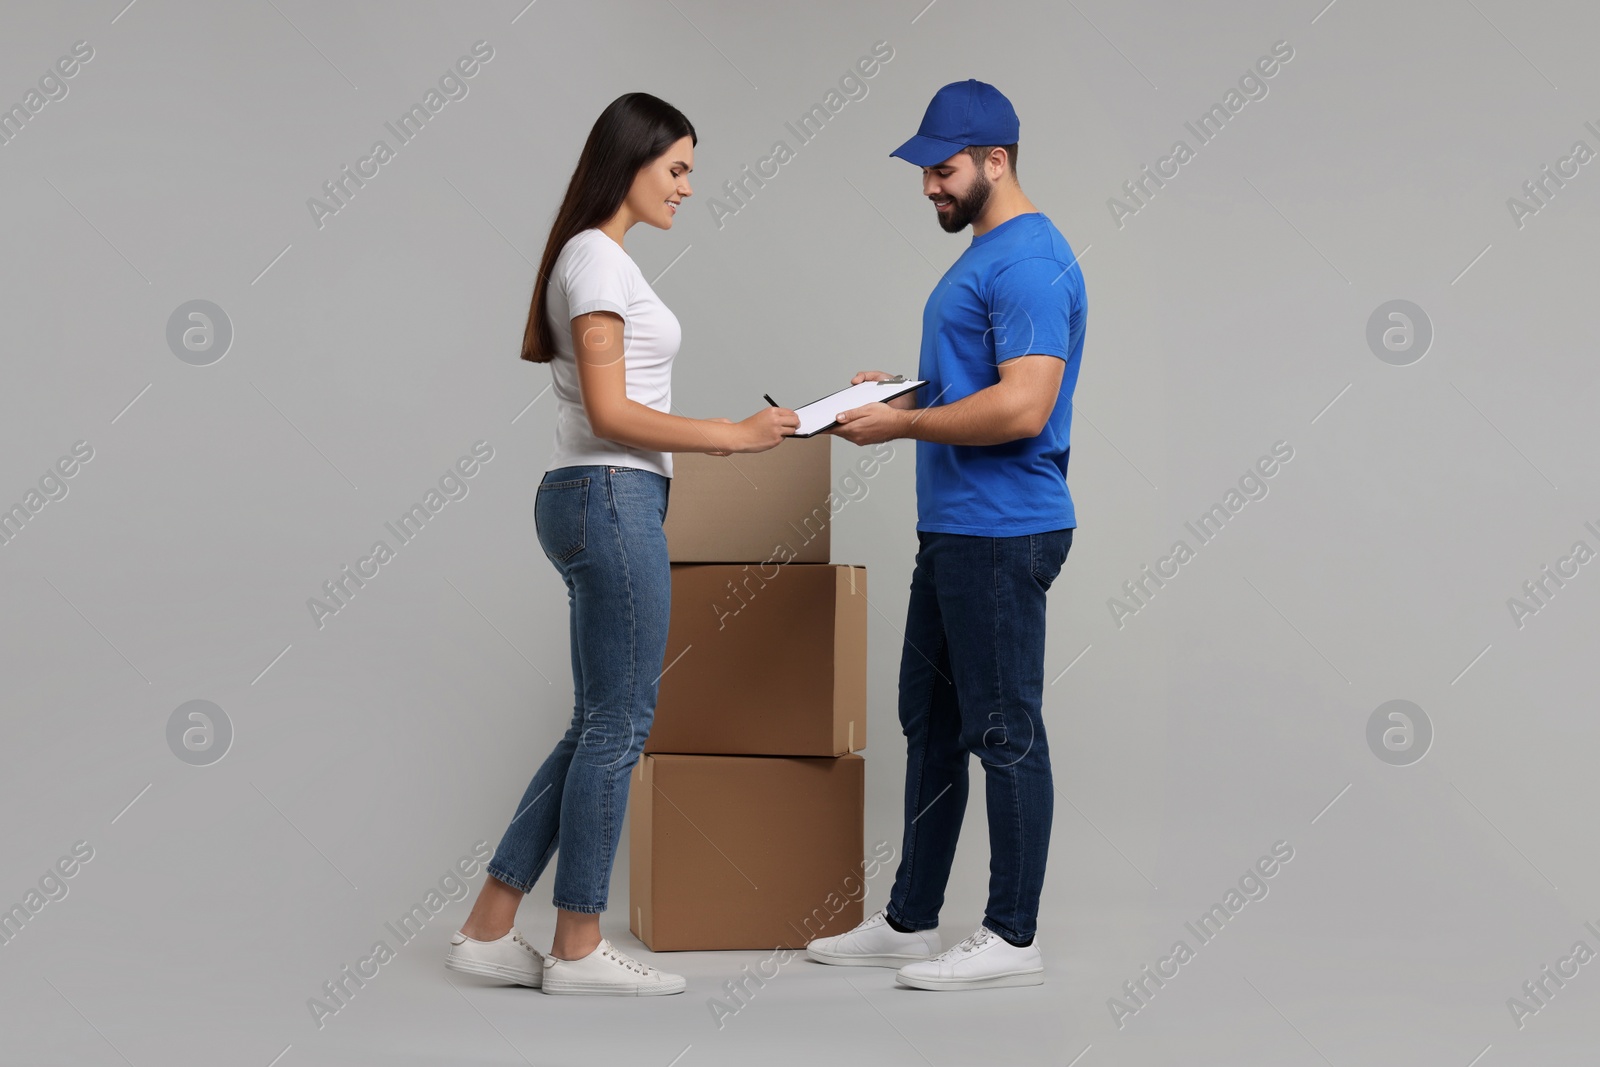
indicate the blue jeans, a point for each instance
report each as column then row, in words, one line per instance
column 972, row 681
column 601, row 527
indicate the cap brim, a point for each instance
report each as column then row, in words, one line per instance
column 926, row 151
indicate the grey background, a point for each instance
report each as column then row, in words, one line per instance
column 1230, row 313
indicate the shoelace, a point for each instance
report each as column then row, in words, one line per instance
column 629, row 962
column 517, row 937
column 969, row 944
column 872, row 921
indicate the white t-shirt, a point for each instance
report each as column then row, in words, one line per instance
column 593, row 273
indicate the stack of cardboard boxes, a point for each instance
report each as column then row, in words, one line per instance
column 746, row 810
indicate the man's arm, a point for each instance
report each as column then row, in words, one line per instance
column 1015, row 407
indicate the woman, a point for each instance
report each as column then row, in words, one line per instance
column 610, row 342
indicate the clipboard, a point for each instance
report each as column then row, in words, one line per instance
column 818, row 416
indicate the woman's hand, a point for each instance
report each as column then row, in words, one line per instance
column 766, row 429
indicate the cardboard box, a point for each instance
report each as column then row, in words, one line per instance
column 744, row 852
column 752, row 507
column 764, row 660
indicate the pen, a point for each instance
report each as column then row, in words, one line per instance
column 771, row 401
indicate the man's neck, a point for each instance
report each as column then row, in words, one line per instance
column 1005, row 203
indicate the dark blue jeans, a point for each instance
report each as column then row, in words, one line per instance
column 601, row 528
column 972, row 682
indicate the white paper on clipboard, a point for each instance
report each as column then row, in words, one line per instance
column 822, row 414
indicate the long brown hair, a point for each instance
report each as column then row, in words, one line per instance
column 634, row 129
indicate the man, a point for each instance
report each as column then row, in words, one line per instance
column 1002, row 337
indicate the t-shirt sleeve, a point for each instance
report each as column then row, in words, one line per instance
column 595, row 279
column 1030, row 312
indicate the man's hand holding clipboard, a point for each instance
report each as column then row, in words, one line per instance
column 870, row 424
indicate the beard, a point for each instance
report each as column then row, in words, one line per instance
column 968, row 207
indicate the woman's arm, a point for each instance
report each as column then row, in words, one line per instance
column 602, row 380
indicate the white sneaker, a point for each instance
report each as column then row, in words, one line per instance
column 608, row 971
column 981, row 961
column 509, row 957
column 874, row 943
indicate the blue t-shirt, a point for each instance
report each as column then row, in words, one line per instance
column 1015, row 291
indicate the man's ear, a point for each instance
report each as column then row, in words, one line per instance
column 1008, row 165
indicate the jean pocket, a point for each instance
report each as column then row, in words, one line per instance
column 1049, row 553
column 560, row 515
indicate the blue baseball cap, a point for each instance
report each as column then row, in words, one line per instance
column 961, row 114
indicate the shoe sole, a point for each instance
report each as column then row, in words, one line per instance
column 606, row 989
column 494, row 970
column 1023, row 978
column 861, row 961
